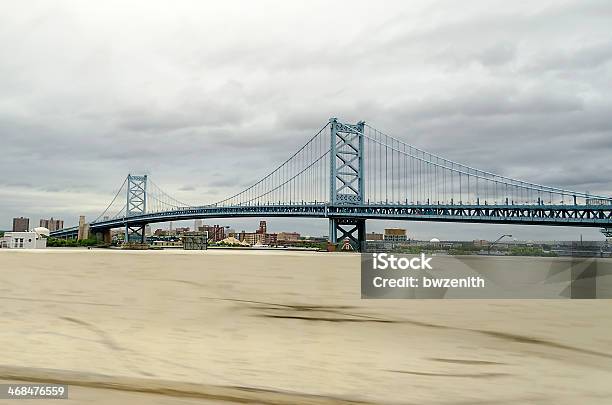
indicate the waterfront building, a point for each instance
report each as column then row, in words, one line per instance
column 250, row 238
column 35, row 239
column 256, row 238
column 481, row 242
column 395, row 235
column 216, row 233
column 374, row 236
column 288, row 236
column 271, row 239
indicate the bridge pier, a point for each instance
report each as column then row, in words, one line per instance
column 135, row 234
column 83, row 232
column 104, row 236
column 352, row 228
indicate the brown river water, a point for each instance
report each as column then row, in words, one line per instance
column 268, row 327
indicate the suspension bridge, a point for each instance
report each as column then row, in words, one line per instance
column 349, row 173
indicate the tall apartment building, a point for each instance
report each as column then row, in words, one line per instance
column 263, row 228
column 216, row 233
column 21, row 224
column 52, row 224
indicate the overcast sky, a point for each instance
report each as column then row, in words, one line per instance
column 208, row 96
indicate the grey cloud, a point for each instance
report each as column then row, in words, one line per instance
column 208, row 99
column 221, row 108
column 497, row 54
column 222, row 182
column 578, row 58
column 492, row 102
column 493, row 55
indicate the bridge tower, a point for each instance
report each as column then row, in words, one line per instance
column 347, row 185
column 136, row 205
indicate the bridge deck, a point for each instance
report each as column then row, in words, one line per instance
column 553, row 215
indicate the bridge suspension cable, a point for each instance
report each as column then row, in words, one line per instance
column 401, row 173
column 392, row 171
column 112, row 211
column 302, row 178
column 158, row 200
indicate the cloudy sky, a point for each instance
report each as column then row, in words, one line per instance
column 208, row 96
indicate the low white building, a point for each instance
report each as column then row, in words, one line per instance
column 34, row 239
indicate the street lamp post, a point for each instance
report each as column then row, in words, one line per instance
column 498, row 239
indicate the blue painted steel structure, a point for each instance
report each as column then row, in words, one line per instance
column 136, row 205
column 349, row 173
column 347, row 185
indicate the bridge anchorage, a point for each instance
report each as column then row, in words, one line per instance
column 348, row 173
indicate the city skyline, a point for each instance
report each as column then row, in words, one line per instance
column 434, row 229
column 208, row 117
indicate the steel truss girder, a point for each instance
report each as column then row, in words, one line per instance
column 537, row 214
column 556, row 215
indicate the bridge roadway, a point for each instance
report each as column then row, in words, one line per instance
column 552, row 215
